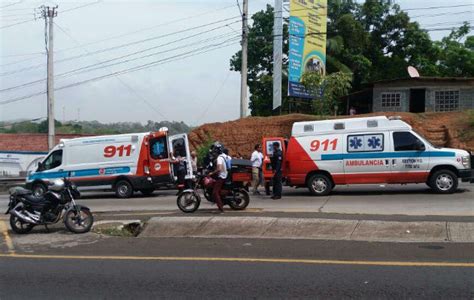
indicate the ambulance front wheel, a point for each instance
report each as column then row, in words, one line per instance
column 320, row 185
column 123, row 189
column 444, row 182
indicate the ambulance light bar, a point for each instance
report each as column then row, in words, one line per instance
column 372, row 123
column 163, row 129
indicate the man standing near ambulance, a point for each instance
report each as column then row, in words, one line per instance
column 276, row 160
column 257, row 161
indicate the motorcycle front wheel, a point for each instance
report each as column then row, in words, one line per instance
column 188, row 202
column 239, row 200
column 18, row 226
column 79, row 221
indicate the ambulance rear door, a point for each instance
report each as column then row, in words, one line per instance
column 179, row 145
column 268, row 153
column 159, row 158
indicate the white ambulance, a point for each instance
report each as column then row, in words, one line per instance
column 124, row 163
column 374, row 150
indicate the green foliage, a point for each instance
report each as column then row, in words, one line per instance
column 373, row 40
column 327, row 89
column 202, row 151
column 93, row 127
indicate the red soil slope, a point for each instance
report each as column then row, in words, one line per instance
column 240, row 136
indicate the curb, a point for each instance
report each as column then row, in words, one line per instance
column 309, row 228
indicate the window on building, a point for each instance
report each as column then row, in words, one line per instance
column 446, row 100
column 406, row 141
column 158, row 148
column 391, row 100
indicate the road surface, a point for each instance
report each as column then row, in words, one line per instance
column 230, row 269
column 414, row 200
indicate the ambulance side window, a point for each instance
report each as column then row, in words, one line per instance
column 54, row 160
column 179, row 147
column 406, row 141
column 158, row 148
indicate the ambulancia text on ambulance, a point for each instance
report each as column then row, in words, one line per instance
column 375, row 150
column 124, row 163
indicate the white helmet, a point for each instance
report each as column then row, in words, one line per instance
column 56, row 185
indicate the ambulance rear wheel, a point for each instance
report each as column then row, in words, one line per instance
column 320, row 185
column 123, row 189
column 444, row 182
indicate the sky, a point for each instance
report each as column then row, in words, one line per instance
column 183, row 48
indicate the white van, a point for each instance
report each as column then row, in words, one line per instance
column 124, row 163
column 374, row 150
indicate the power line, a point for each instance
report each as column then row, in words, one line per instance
column 214, row 98
column 124, row 45
column 440, row 14
column 149, row 28
column 123, row 56
column 67, row 10
column 437, row 7
column 8, row 5
column 181, row 56
column 118, row 78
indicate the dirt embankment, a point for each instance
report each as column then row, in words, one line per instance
column 240, row 136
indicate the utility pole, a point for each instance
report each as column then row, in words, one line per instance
column 243, row 73
column 277, row 53
column 48, row 13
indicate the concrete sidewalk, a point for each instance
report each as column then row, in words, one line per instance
column 309, row 228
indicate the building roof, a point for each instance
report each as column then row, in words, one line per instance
column 29, row 142
column 458, row 80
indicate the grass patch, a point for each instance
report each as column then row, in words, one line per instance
column 127, row 230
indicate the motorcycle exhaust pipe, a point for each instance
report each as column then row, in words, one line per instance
column 22, row 217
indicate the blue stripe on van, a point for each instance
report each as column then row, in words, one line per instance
column 79, row 173
column 366, row 155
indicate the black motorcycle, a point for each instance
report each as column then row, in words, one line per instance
column 27, row 211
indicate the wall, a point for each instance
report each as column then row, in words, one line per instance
column 18, row 163
column 404, row 98
column 466, row 97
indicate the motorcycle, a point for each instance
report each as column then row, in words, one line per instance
column 232, row 194
column 27, row 211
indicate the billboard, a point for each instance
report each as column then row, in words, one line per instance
column 307, row 42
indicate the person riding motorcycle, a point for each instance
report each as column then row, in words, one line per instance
column 220, row 172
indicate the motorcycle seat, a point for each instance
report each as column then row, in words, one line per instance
column 32, row 199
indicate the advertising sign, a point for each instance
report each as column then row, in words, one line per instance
column 307, row 42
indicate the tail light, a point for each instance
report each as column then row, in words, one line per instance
column 146, row 168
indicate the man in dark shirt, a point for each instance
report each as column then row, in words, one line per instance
column 276, row 160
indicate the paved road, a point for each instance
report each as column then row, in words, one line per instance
column 378, row 200
column 208, row 268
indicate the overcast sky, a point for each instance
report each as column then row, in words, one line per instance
column 195, row 89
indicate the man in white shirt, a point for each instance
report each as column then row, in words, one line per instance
column 257, row 161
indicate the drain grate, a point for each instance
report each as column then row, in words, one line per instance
column 431, row 247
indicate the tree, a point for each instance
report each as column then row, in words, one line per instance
column 456, row 58
column 374, row 41
column 327, row 90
